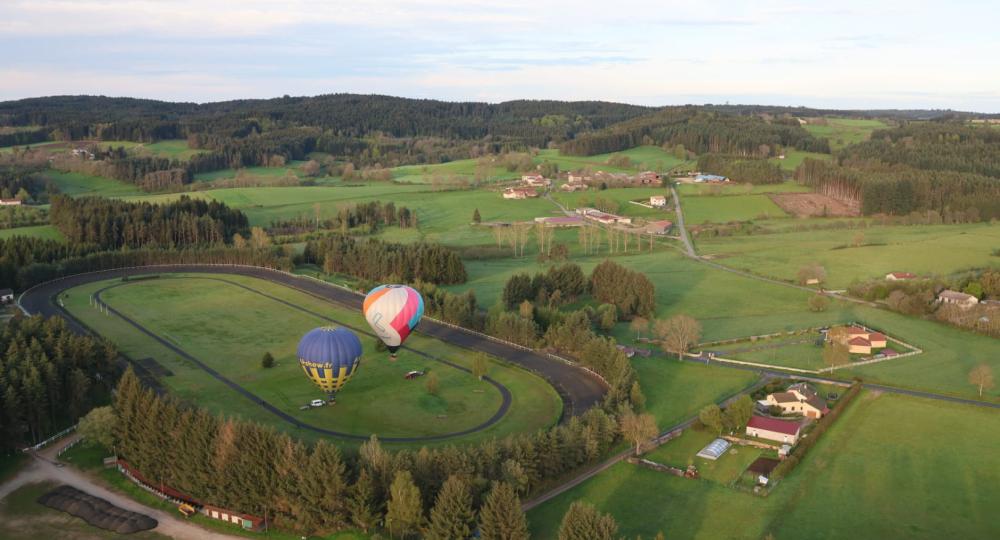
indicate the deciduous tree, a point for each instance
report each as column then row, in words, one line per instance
column 678, row 334
column 982, row 377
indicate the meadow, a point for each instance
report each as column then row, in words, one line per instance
column 46, row 232
column 794, row 158
column 844, row 131
column 642, row 158
column 683, row 450
column 79, row 184
column 172, row 149
column 723, row 209
column 919, row 249
column 733, row 188
column 882, row 448
column 676, row 390
column 230, row 328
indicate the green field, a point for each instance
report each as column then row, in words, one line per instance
column 794, row 158
column 733, row 188
column 916, row 249
column 465, row 169
column 258, row 172
column 47, row 232
column 676, row 391
column 78, row 185
column 230, row 328
column 172, row 149
column 723, row 209
column 682, row 451
column 643, row 158
column 852, row 484
column 844, row 131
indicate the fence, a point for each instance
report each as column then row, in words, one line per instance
column 50, row 440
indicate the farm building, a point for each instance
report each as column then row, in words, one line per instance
column 899, row 276
column 10, row 202
column 560, row 221
column 520, row 193
column 710, row 179
column 573, row 186
column 535, row 180
column 6, row 296
column 603, row 217
column 959, row 299
column 799, row 399
column 658, row 227
column 860, row 340
column 773, row 429
column 658, row 201
column 646, row 178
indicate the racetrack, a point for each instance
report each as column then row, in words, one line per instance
column 578, row 388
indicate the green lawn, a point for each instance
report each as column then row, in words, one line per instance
column 230, row 328
column 917, row 249
column 723, row 209
column 676, row 391
column 682, row 451
column 794, row 158
column 463, row 168
column 47, row 232
column 260, row 172
column 643, row 158
column 78, row 184
column 172, row 149
column 844, row 131
column 733, row 188
column 867, row 478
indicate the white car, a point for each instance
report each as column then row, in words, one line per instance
column 317, row 403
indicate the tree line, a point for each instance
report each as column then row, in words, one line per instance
column 254, row 469
column 375, row 260
column 371, row 215
column 49, row 377
column 753, row 171
column 114, row 224
column 942, row 146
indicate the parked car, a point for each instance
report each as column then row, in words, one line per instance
column 317, row 403
column 414, row 375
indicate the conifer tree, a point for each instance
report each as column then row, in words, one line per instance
column 452, row 516
column 363, row 504
column 405, row 513
column 584, row 522
column 501, row 517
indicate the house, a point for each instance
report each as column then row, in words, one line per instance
column 899, row 276
column 535, row 180
column 859, row 345
column 6, row 296
column 658, row 201
column 773, row 429
column 877, row 340
column 646, row 178
column 959, row 299
column 577, row 178
column 812, row 281
column 659, row 227
column 10, row 202
column 573, row 186
column 799, row 400
column 604, row 218
column 519, row 193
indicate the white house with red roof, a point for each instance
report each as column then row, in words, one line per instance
column 774, row 429
column 900, row 276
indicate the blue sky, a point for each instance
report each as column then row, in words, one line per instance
column 850, row 54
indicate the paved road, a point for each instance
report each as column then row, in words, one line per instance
column 688, row 246
column 43, row 469
column 505, row 394
column 579, row 389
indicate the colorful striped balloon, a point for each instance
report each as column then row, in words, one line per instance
column 393, row 311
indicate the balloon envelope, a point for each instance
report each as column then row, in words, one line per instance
column 393, row 311
column 329, row 356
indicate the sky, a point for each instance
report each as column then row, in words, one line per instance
column 847, row 54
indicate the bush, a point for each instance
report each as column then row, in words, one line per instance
column 267, row 361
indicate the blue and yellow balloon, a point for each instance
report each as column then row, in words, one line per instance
column 329, row 356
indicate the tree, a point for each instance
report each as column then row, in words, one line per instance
column 311, row 168
column 639, row 325
column 636, row 396
column 99, row 426
column 836, row 353
column 405, row 513
column 259, row 238
column 432, row 385
column 859, row 238
column 363, row 506
column 451, row 517
column 638, row 428
column 480, row 365
column 238, row 241
column 982, row 376
column 738, row 412
column 678, row 334
column 267, row 361
column 818, row 302
column 583, row 522
column 476, row 218
column 711, row 416
column 811, row 272
column 501, row 517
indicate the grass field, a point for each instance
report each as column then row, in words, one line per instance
column 883, row 448
column 741, row 189
column 172, row 149
column 722, row 209
column 47, row 232
column 643, row 158
column 77, row 184
column 683, row 451
column 844, row 131
column 917, row 249
column 794, row 158
column 676, row 391
column 462, row 168
column 230, row 328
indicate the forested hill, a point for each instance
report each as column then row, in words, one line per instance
column 348, row 115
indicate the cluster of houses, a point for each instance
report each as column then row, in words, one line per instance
column 531, row 183
column 947, row 296
column 520, row 193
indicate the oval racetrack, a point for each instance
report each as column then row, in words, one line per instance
column 578, row 388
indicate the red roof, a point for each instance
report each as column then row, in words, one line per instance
column 889, row 352
column 856, row 330
column 902, row 275
column 875, row 336
column 860, row 341
column 773, row 424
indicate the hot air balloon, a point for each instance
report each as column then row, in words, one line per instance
column 329, row 356
column 393, row 311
